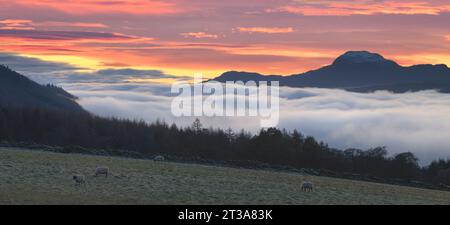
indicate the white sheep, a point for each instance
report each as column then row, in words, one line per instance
column 159, row 158
column 102, row 170
column 79, row 179
column 307, row 186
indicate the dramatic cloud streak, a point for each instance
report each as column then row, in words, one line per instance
column 69, row 24
column 99, row 6
column 62, row 35
column 15, row 24
column 267, row 30
column 347, row 8
column 45, row 72
column 199, row 35
column 30, row 25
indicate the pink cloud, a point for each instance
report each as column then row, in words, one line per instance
column 19, row 24
column 199, row 35
column 45, row 35
column 78, row 7
column 267, row 30
column 346, row 8
column 15, row 24
column 70, row 24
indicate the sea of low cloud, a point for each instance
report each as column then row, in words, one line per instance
column 418, row 122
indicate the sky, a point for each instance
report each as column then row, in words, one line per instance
column 183, row 37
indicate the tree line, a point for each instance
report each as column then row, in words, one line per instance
column 272, row 146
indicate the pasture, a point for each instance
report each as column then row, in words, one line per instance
column 37, row 177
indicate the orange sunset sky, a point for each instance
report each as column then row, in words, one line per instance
column 182, row 37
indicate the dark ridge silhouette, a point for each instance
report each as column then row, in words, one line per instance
column 359, row 71
column 60, row 91
column 18, row 90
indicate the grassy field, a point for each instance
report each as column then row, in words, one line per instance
column 35, row 177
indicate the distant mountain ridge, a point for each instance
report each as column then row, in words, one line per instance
column 17, row 90
column 359, row 71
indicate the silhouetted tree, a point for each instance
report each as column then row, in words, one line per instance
column 197, row 125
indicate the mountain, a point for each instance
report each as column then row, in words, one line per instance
column 18, row 90
column 359, row 71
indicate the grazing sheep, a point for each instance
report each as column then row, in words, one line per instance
column 307, row 186
column 159, row 158
column 102, row 170
column 79, row 179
